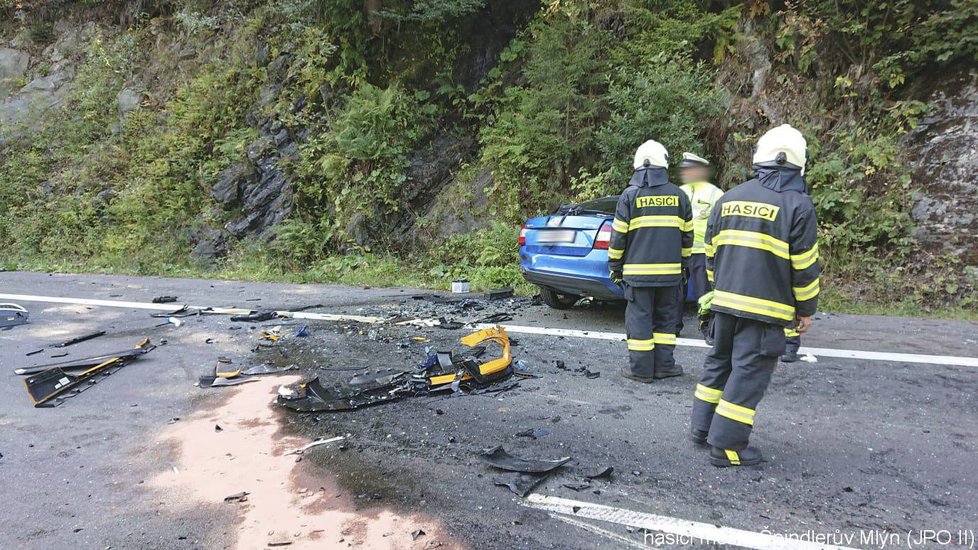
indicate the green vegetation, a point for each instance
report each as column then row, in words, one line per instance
column 368, row 84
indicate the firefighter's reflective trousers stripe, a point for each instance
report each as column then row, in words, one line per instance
column 650, row 326
column 735, row 377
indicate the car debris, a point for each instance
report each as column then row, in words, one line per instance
column 499, row 293
column 417, row 533
column 520, row 484
column 164, row 299
column 496, row 318
column 237, row 497
column 315, row 443
column 13, row 315
column 210, row 381
column 141, row 348
column 441, row 371
column 600, row 473
column 35, row 352
column 55, row 381
column 498, row 457
column 254, row 317
column 265, row 368
column 80, row 339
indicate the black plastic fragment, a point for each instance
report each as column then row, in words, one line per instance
column 86, row 362
column 499, row 293
column 599, row 473
column 35, row 352
column 164, row 299
column 497, row 318
column 499, row 458
column 518, row 483
column 80, row 339
column 254, row 317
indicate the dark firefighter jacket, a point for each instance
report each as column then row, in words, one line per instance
column 652, row 233
column 762, row 249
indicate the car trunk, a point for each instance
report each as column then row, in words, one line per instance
column 571, row 231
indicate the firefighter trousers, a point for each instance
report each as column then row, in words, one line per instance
column 735, row 376
column 650, row 327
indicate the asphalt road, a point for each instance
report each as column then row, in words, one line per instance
column 869, row 448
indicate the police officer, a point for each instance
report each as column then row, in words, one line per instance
column 762, row 256
column 651, row 239
column 695, row 173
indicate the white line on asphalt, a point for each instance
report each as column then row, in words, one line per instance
column 691, row 531
column 174, row 307
column 820, row 352
column 515, row 329
column 603, row 532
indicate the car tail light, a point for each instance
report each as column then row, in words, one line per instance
column 603, row 242
column 522, row 239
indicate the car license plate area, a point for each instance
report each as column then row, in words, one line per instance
column 556, row 236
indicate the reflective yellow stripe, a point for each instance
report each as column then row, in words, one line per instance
column 652, row 269
column 806, row 292
column 640, row 345
column 805, row 259
column 687, row 226
column 733, row 457
column 615, row 254
column 708, row 394
column 664, row 338
column 754, row 305
column 710, row 249
column 791, row 333
column 619, row 226
column 751, row 239
column 736, row 412
column 687, row 252
column 655, row 221
column 699, row 247
column 709, row 275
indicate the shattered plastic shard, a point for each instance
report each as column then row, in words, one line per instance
column 520, row 484
column 499, row 458
column 12, row 315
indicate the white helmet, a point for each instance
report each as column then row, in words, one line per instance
column 653, row 152
column 783, row 139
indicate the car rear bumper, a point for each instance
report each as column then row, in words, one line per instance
column 578, row 286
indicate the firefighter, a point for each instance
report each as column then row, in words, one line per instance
column 651, row 239
column 762, row 257
column 695, row 173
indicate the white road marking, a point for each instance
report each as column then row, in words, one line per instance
column 949, row 360
column 692, row 531
column 603, row 532
column 174, row 307
column 819, row 352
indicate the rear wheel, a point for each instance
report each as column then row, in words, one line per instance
column 556, row 300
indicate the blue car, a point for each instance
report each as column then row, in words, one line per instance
column 566, row 253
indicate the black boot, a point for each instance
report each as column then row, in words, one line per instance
column 627, row 373
column 790, row 357
column 676, row 370
column 723, row 458
column 698, row 437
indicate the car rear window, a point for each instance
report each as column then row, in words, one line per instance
column 605, row 205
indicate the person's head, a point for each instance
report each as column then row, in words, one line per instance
column 782, row 147
column 651, row 154
column 694, row 168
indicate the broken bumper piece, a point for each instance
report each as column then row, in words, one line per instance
column 53, row 382
column 12, row 315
